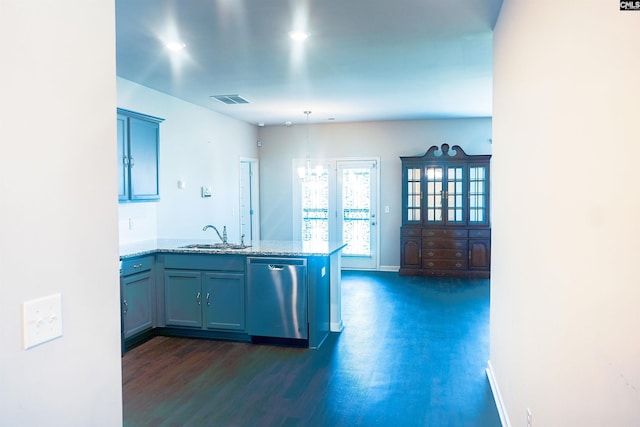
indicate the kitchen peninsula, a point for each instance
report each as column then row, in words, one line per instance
column 275, row 291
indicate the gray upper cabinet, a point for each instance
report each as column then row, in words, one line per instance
column 138, row 154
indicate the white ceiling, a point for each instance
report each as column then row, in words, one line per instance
column 365, row 60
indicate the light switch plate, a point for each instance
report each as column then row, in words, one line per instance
column 206, row 191
column 42, row 320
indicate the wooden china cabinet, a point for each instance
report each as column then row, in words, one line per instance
column 446, row 229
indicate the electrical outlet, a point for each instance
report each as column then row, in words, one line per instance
column 42, row 320
column 529, row 418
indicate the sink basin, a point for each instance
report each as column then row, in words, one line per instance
column 216, row 246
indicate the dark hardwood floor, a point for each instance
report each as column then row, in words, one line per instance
column 413, row 353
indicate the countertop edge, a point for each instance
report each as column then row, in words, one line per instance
column 159, row 249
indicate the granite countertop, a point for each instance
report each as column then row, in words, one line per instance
column 260, row 248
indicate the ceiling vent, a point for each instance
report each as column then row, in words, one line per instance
column 230, row 99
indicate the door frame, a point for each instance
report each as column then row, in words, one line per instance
column 334, row 193
column 254, row 183
column 358, row 262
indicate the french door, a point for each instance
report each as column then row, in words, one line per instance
column 337, row 201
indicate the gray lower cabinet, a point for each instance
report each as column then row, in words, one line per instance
column 183, row 298
column 137, row 296
column 224, row 306
column 206, row 300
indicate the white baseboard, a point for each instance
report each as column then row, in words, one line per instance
column 504, row 418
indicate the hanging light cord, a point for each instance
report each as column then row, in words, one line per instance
column 308, row 165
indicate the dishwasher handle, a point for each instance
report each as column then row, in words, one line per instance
column 276, row 267
column 276, row 262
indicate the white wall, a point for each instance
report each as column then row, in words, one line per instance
column 58, row 213
column 565, row 285
column 198, row 146
column 386, row 140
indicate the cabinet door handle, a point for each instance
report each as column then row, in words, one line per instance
column 125, row 306
column 198, row 298
column 136, row 266
column 131, row 163
column 208, row 299
column 430, row 253
column 458, row 254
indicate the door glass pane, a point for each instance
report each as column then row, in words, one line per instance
column 455, row 201
column 413, row 194
column 477, row 194
column 434, row 193
column 356, row 211
column 315, row 205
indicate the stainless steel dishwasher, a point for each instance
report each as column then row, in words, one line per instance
column 277, row 297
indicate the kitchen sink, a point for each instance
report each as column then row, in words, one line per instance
column 216, row 246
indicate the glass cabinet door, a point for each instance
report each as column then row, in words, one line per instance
column 414, row 195
column 477, row 195
column 433, row 181
column 454, row 195
column 445, row 194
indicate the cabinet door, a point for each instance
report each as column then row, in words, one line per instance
column 137, row 307
column 445, row 195
column 123, row 158
column 479, row 255
column 143, row 159
column 410, row 253
column 223, row 301
column 183, row 298
column 412, row 194
column 478, row 195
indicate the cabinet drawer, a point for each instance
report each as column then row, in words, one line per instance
column 136, row 265
column 442, row 234
column 480, row 233
column 444, row 244
column 205, row 262
column 436, row 264
column 411, row 232
column 450, row 254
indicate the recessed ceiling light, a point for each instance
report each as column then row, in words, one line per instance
column 298, row 35
column 175, row 46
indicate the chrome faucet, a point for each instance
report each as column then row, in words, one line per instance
column 222, row 237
